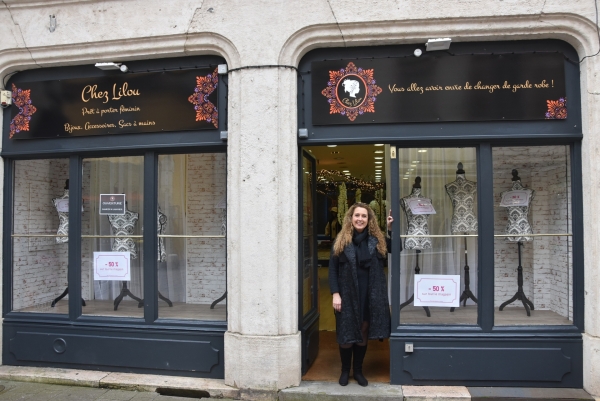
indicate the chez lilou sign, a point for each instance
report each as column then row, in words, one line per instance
column 119, row 104
column 439, row 89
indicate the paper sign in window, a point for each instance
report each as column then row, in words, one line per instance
column 421, row 206
column 437, row 290
column 112, row 266
column 515, row 198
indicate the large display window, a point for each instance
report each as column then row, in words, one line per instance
column 438, row 233
column 40, row 242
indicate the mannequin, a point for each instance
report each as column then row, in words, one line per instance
column 63, row 216
column 518, row 224
column 63, row 229
column 462, row 193
column 417, row 225
column 162, row 251
column 124, row 225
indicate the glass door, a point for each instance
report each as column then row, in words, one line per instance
column 308, row 273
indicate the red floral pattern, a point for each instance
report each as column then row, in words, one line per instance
column 557, row 109
column 22, row 99
column 205, row 109
column 330, row 92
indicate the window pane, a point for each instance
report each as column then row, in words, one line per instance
column 438, row 194
column 40, row 226
column 192, row 218
column 111, row 238
column 307, row 238
column 533, row 266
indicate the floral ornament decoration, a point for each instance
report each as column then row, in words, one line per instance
column 360, row 86
column 557, row 109
column 205, row 109
column 22, row 99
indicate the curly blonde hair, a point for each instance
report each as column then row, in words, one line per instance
column 344, row 237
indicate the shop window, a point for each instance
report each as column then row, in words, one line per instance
column 438, row 232
column 533, row 261
column 192, row 226
column 40, row 235
column 112, row 257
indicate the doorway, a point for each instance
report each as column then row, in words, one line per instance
column 333, row 178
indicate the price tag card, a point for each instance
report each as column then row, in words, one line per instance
column 62, row 205
column 421, row 206
column 437, row 290
column 112, row 266
column 515, row 198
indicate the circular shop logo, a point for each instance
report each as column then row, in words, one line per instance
column 112, row 198
column 351, row 91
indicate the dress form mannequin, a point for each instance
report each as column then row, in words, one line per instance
column 63, row 229
column 162, row 251
column 63, row 217
column 519, row 225
column 462, row 193
column 417, row 225
column 124, row 225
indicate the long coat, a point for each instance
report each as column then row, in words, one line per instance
column 348, row 322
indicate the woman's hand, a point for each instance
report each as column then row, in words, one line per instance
column 337, row 302
column 390, row 220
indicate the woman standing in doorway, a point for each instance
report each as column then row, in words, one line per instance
column 359, row 288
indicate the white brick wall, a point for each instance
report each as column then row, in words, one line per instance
column 39, row 264
column 206, row 258
column 546, row 261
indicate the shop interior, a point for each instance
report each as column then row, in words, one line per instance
column 533, row 265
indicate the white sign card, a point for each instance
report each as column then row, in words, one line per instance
column 112, row 266
column 515, row 198
column 62, row 205
column 437, row 290
column 421, row 206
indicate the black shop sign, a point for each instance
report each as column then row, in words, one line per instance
column 439, row 89
column 118, row 104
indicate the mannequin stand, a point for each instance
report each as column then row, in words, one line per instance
column 520, row 295
column 466, row 294
column 126, row 293
column 61, row 296
column 212, row 306
column 412, row 297
column 160, row 296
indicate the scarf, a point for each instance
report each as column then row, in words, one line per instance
column 360, row 241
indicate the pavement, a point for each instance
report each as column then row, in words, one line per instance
column 31, row 383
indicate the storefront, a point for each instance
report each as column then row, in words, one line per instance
column 479, row 155
column 115, row 217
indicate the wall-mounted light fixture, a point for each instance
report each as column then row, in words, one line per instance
column 112, row 66
column 52, row 23
column 438, row 44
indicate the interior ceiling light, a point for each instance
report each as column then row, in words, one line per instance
column 438, row 44
column 331, row 146
column 379, row 151
column 416, row 161
column 422, row 150
column 379, row 144
column 346, row 171
column 378, row 158
column 378, row 162
column 405, row 178
column 413, row 165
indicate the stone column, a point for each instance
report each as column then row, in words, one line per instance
column 262, row 344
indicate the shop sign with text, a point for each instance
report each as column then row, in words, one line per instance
column 439, row 89
column 437, row 290
column 117, row 104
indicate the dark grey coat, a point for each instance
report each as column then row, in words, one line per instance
column 343, row 279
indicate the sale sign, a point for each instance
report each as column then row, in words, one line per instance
column 112, row 266
column 437, row 290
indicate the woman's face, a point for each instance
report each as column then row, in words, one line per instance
column 360, row 219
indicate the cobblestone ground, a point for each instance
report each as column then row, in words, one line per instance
column 12, row 390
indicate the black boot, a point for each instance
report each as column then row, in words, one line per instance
column 346, row 355
column 359, row 357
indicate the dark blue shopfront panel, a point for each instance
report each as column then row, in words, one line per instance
column 175, row 352
column 522, row 362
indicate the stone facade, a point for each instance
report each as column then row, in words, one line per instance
column 262, row 150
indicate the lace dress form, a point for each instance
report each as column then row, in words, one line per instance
column 162, row 224
column 124, row 225
column 462, row 194
column 518, row 216
column 63, row 219
column 417, row 223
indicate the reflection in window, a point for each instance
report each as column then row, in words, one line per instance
column 532, row 226
column 40, row 229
